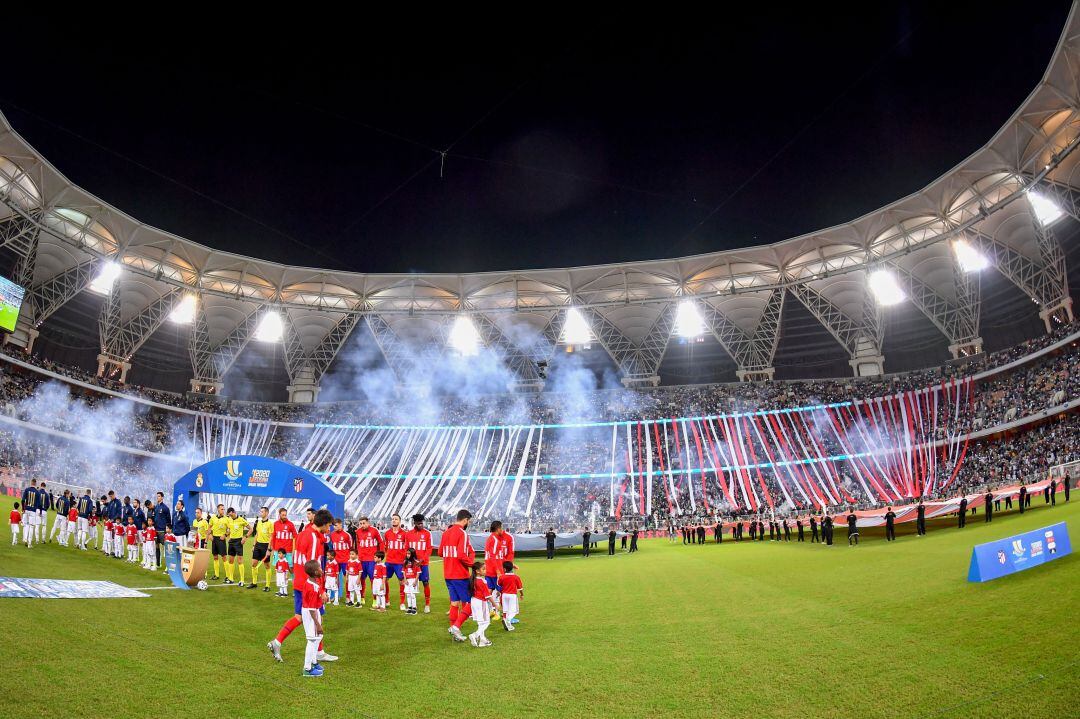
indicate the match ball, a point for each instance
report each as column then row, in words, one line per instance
column 202, row 585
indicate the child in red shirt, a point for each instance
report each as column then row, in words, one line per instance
column 311, row 610
column 330, row 580
column 149, row 548
column 281, row 569
column 378, row 583
column 482, row 606
column 411, row 571
column 16, row 518
column 131, row 536
column 352, row 580
column 71, row 526
column 509, row 589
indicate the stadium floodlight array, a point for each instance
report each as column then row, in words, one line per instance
column 464, row 338
column 106, row 278
column 688, row 321
column 970, row 259
column 576, row 330
column 886, row 289
column 184, row 312
column 271, row 328
column 1046, row 210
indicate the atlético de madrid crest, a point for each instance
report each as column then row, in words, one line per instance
column 298, row 485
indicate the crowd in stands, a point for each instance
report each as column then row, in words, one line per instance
column 1046, row 382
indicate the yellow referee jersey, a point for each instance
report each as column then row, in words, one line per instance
column 201, row 527
column 236, row 527
column 219, row 526
column 264, row 530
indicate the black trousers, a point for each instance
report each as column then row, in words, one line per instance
column 813, row 535
column 962, row 519
column 920, row 525
column 159, row 546
column 890, row 532
column 801, row 535
column 988, row 515
column 585, row 550
column 551, row 552
column 611, row 547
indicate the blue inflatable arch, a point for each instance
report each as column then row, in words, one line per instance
column 249, row 475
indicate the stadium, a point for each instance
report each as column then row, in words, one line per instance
column 773, row 478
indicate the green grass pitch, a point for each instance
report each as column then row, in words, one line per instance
column 756, row 630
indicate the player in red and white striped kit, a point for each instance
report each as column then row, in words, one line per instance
column 310, row 545
column 418, row 539
column 395, row 545
column 457, row 557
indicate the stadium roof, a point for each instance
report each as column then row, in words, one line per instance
column 64, row 236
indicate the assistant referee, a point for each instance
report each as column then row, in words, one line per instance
column 237, row 531
column 219, row 528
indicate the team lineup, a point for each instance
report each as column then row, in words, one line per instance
column 324, row 558
column 326, row 563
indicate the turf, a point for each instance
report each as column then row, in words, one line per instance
column 761, row 630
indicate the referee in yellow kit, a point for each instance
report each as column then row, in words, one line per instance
column 219, row 529
column 263, row 529
column 237, row 534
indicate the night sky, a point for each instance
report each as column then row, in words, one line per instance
column 567, row 141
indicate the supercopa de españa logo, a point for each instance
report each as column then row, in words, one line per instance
column 232, row 473
column 1018, row 548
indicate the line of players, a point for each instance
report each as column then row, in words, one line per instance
column 316, row 549
column 74, row 517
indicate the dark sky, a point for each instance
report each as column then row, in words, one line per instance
column 569, row 141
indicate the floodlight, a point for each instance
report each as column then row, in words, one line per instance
column 106, row 278
column 885, row 288
column 271, row 328
column 184, row 313
column 463, row 337
column 1046, row 210
column 970, row 259
column 688, row 321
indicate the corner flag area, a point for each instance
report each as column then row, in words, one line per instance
column 761, row 629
